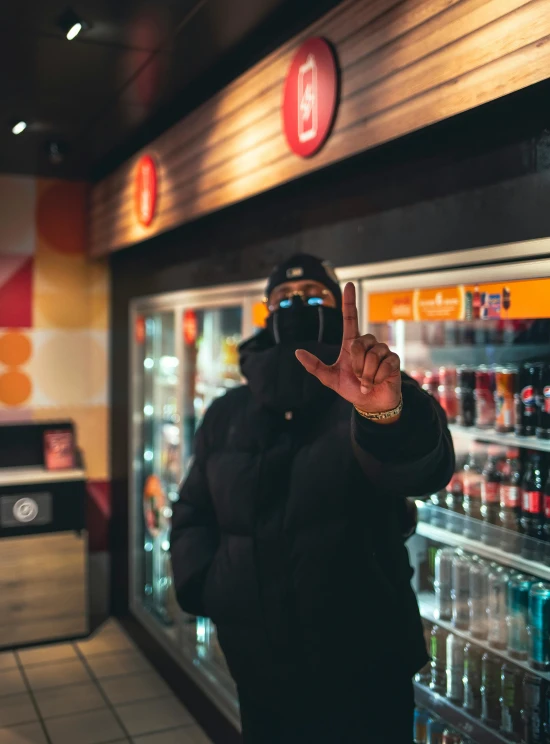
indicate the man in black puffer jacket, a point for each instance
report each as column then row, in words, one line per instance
column 289, row 531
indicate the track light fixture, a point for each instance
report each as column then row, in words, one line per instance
column 19, row 127
column 71, row 24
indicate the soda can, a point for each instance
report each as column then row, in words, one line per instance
column 438, row 682
column 497, row 607
column 472, row 679
column 490, row 691
column 455, row 669
column 465, row 386
column 485, row 399
column 518, row 615
column 525, row 400
column 533, row 710
column 460, row 591
column 443, row 583
column 506, row 384
column 543, row 400
column 436, row 729
column 479, row 592
column 539, row 627
column 510, row 702
column 420, row 730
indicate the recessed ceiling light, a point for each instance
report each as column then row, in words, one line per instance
column 71, row 24
column 19, row 127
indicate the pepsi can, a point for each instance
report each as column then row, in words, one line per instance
column 543, row 423
column 525, row 399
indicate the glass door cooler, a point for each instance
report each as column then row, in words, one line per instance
column 184, row 355
column 478, row 340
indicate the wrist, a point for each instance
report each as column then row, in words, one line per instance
column 389, row 416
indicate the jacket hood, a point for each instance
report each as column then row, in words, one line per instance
column 276, row 378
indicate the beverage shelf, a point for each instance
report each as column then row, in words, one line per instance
column 472, row 433
column 426, row 602
column 457, row 539
column 456, row 716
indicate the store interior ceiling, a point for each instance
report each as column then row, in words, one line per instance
column 139, row 67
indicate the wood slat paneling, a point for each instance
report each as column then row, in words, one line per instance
column 404, row 65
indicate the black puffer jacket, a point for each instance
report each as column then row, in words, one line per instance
column 289, row 528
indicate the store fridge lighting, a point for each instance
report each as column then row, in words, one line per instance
column 169, row 362
column 148, row 410
column 148, row 363
column 148, row 455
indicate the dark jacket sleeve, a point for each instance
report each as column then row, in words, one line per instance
column 194, row 538
column 414, row 456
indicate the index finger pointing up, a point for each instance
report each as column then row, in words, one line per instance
column 351, row 323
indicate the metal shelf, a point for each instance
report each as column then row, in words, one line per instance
column 426, row 602
column 456, row 716
column 457, row 539
column 472, row 433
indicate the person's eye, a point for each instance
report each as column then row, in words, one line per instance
column 315, row 301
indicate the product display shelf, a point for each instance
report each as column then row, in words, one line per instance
column 456, row 717
column 473, row 433
column 457, row 539
column 426, row 602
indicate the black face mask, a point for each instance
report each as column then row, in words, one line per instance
column 303, row 323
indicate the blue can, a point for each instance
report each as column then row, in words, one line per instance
column 420, row 731
column 539, row 627
column 518, row 615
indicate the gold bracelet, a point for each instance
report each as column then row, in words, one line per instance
column 382, row 415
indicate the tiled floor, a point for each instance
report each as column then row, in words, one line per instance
column 99, row 691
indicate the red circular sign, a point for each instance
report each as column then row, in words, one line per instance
column 310, row 97
column 190, row 327
column 146, row 190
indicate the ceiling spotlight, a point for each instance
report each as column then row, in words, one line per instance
column 19, row 127
column 71, row 24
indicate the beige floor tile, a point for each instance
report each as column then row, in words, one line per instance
column 186, row 735
column 17, row 709
column 7, row 660
column 11, row 682
column 107, row 643
column 95, row 727
column 154, row 715
column 61, row 701
column 118, row 664
column 134, row 687
column 29, row 733
column 47, row 654
column 60, row 674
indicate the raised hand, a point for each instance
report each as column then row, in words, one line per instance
column 367, row 373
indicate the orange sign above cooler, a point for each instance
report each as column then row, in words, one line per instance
column 515, row 300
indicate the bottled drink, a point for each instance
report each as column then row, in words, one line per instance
column 471, row 483
column 510, row 702
column 476, row 303
column 518, row 615
column 525, row 403
column 510, row 494
column 435, row 731
column 447, row 392
column 420, row 733
column 460, row 591
column 532, row 510
column 431, row 384
column 490, row 496
column 539, row 627
column 472, row 679
column 465, row 386
column 454, row 499
column 532, row 710
column 438, row 682
column 484, row 397
column 543, row 422
column 443, row 583
column 479, row 592
column 506, row 384
column 455, row 668
column 497, row 607
column 490, row 691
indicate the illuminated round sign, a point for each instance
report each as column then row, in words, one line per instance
column 310, row 97
column 146, row 190
column 25, row 510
